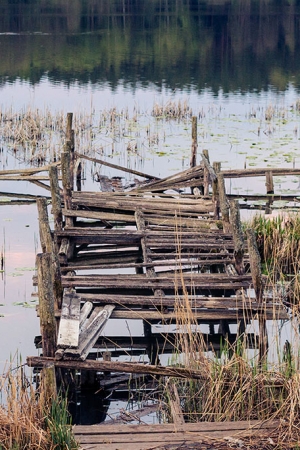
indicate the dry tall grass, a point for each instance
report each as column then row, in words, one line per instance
column 27, row 421
column 236, row 386
column 278, row 242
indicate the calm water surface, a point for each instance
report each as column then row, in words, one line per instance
column 229, row 61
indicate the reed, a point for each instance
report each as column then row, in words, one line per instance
column 26, row 421
column 278, row 240
column 235, row 386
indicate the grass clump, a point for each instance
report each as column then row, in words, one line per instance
column 278, row 240
column 28, row 421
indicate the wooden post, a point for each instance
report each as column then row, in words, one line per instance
column 206, row 173
column 255, row 266
column 48, row 385
column 150, row 272
column 44, row 228
column 46, row 304
column 223, row 202
column 238, row 236
column 106, row 356
column 66, row 180
column 56, row 198
column 269, row 182
column 193, row 161
column 174, row 401
column 270, row 190
column 69, row 126
column 48, row 247
column 215, row 190
column 78, row 171
column 70, row 145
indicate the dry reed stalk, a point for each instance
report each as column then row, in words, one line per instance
column 25, row 419
column 235, row 386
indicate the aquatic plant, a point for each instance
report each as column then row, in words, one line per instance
column 278, row 239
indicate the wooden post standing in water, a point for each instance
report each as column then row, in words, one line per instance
column 46, row 304
column 223, row 203
column 205, row 156
column 238, row 236
column 255, row 266
column 193, row 161
column 269, row 182
column 48, row 247
column 48, row 385
column 270, row 191
column 70, row 146
column 56, row 198
column 215, row 190
column 66, row 181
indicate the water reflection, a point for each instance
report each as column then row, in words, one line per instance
column 179, row 44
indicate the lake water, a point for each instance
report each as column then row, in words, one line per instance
column 234, row 64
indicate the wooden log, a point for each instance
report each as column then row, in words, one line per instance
column 193, row 160
column 255, row 265
column 116, row 366
column 215, row 190
column 48, row 390
column 66, row 180
column 223, row 202
column 44, row 228
column 187, row 178
column 24, row 178
column 238, row 236
column 206, row 178
column 257, row 172
column 150, row 271
column 68, row 149
column 56, row 198
column 46, row 304
column 174, row 401
column 69, row 126
column 30, row 171
column 68, row 333
column 115, row 166
column 66, row 250
column 78, row 174
column 269, row 182
column 48, row 247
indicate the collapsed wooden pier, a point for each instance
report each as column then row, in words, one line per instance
column 167, row 253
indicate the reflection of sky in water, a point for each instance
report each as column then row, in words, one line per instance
column 226, row 129
column 17, row 240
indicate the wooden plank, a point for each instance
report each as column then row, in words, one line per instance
column 199, row 427
column 68, row 333
column 91, row 333
column 85, row 311
column 257, row 172
column 115, row 166
column 116, row 366
column 194, row 301
column 98, row 215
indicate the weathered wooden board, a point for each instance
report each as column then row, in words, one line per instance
column 149, row 437
column 172, row 281
column 68, row 333
column 92, row 331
